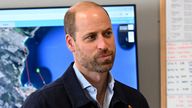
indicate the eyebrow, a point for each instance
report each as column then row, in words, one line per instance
column 109, row 28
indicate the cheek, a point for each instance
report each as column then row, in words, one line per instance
column 83, row 48
column 87, row 50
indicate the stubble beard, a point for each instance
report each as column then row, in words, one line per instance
column 94, row 64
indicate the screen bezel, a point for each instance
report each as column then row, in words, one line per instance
column 116, row 5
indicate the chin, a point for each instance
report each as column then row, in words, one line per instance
column 103, row 69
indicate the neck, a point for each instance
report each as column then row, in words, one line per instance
column 99, row 80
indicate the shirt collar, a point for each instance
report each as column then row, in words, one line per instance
column 111, row 82
column 85, row 84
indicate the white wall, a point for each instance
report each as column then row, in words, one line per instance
column 148, row 39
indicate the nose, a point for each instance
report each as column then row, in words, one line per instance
column 102, row 43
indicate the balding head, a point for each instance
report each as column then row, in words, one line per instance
column 69, row 19
column 84, row 6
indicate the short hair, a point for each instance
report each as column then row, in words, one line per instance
column 69, row 18
column 69, row 23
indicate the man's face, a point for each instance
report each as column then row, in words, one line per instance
column 94, row 45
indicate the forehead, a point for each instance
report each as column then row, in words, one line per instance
column 92, row 19
column 94, row 13
column 84, row 6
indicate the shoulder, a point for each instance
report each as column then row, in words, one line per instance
column 46, row 95
column 130, row 95
column 126, row 89
column 56, row 94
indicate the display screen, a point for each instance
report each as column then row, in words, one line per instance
column 33, row 51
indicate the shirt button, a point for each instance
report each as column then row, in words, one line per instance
column 91, row 90
column 94, row 89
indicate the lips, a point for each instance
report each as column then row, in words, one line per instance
column 106, row 58
column 105, row 55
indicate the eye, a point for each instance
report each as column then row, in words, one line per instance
column 108, row 33
column 91, row 37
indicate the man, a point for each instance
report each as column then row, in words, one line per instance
column 87, row 83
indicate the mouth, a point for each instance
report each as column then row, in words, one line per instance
column 105, row 58
column 105, row 55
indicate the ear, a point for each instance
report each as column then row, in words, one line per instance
column 70, row 42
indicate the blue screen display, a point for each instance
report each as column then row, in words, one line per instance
column 34, row 53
